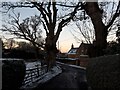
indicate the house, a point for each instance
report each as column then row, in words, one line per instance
column 83, row 49
column 81, row 53
column 72, row 53
column 86, row 49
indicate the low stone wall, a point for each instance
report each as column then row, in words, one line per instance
column 103, row 73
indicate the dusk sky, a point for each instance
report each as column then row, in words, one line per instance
column 65, row 39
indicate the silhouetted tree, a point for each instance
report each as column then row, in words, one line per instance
column 118, row 34
column 95, row 22
column 51, row 23
column 28, row 29
column 94, row 11
column 112, row 48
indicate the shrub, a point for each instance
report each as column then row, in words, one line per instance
column 104, row 72
column 13, row 72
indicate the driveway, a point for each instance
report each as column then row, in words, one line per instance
column 70, row 78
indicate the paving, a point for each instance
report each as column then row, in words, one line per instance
column 70, row 78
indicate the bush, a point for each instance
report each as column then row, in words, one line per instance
column 104, row 72
column 13, row 72
column 112, row 48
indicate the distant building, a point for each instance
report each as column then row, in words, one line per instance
column 73, row 53
column 81, row 53
column 83, row 49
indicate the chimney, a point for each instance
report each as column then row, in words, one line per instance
column 72, row 46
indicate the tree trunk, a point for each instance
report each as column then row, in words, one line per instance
column 51, row 49
column 36, row 51
column 93, row 10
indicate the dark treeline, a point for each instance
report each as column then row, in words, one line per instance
column 22, row 54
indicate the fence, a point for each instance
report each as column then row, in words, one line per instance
column 34, row 74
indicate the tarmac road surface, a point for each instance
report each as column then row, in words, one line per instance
column 70, row 78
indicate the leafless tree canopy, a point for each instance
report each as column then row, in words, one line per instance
column 109, row 16
column 54, row 18
column 53, row 21
column 28, row 29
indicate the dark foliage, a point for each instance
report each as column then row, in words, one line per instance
column 22, row 54
column 103, row 73
column 13, row 72
column 112, row 48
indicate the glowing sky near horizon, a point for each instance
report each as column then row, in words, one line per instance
column 65, row 39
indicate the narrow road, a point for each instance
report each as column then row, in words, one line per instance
column 72, row 78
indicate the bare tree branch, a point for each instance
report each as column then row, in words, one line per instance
column 66, row 21
column 117, row 13
column 28, row 29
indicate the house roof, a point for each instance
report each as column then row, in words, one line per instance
column 73, row 51
column 85, row 45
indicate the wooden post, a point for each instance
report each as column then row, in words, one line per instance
column 37, row 70
column 31, row 75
